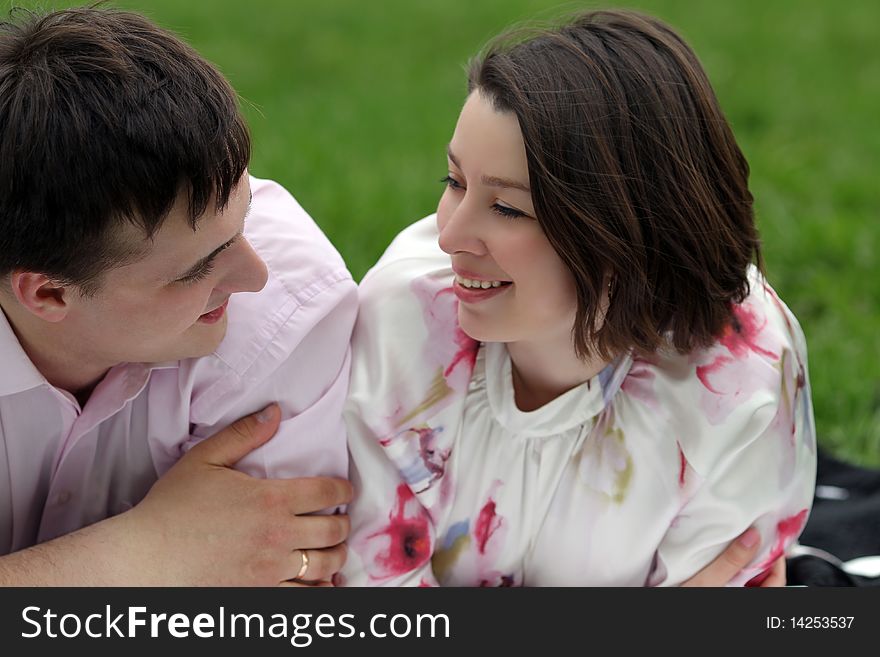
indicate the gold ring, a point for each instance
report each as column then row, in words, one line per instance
column 305, row 564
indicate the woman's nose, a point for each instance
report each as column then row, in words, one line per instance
column 460, row 230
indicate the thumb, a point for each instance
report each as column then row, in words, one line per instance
column 225, row 448
column 729, row 563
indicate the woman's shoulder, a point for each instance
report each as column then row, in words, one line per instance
column 410, row 357
column 408, row 293
column 752, row 380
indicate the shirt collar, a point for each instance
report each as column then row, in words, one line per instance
column 18, row 373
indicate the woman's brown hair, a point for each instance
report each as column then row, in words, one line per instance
column 636, row 177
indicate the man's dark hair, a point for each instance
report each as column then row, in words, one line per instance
column 636, row 177
column 105, row 118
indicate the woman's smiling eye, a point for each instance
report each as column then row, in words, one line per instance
column 451, row 182
column 497, row 208
column 506, row 211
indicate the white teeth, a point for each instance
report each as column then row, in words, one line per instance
column 475, row 284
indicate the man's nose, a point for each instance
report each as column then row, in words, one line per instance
column 247, row 272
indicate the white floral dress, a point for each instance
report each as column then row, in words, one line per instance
column 639, row 476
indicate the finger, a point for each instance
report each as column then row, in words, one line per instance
column 777, row 575
column 319, row 531
column 321, row 565
column 311, row 494
column 230, row 445
column 307, row 585
column 735, row 557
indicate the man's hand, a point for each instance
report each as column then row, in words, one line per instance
column 736, row 557
column 204, row 523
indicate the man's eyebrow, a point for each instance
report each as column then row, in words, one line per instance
column 492, row 181
column 208, row 258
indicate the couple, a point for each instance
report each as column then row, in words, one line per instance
column 572, row 375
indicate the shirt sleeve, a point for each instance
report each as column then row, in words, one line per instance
column 288, row 343
column 309, row 383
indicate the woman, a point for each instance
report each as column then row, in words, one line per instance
column 573, row 374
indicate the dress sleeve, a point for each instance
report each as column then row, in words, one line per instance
column 410, row 364
column 748, row 489
column 752, row 461
column 392, row 534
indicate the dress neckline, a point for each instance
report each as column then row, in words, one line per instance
column 572, row 408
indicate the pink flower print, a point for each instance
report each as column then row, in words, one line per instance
column 687, row 479
column 404, row 544
column 732, row 376
column 487, row 524
column 787, row 531
column 448, row 357
column 639, row 383
column 415, row 451
column 433, row 458
column 682, row 467
column 489, row 528
column 448, row 346
column 744, row 333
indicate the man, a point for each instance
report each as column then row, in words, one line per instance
column 128, row 226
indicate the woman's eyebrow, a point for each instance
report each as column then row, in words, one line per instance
column 492, row 181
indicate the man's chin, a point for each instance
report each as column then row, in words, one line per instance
column 202, row 340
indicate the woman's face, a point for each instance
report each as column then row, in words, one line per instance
column 511, row 284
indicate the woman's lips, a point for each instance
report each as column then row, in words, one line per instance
column 476, row 295
column 215, row 315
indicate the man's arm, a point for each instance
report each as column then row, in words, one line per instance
column 202, row 523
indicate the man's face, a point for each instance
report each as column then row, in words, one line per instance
column 171, row 303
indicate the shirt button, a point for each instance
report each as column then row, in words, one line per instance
column 63, row 498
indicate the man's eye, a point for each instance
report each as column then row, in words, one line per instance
column 199, row 274
column 208, row 267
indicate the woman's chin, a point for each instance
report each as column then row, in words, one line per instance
column 477, row 330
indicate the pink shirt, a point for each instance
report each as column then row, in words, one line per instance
column 63, row 467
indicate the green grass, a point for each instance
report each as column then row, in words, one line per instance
column 351, row 104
